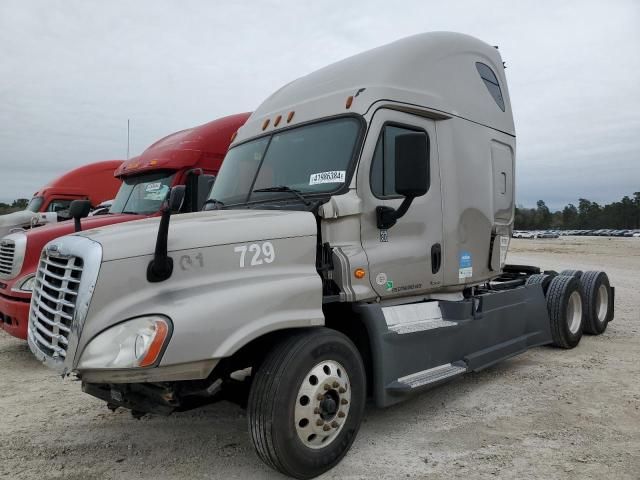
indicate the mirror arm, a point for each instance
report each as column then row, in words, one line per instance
column 77, row 224
column 160, row 267
column 386, row 217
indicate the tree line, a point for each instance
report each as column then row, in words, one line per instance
column 19, row 204
column 624, row 214
column 586, row 215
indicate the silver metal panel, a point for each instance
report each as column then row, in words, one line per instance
column 432, row 375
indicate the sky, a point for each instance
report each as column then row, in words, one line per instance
column 73, row 72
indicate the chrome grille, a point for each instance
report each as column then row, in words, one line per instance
column 53, row 302
column 7, row 256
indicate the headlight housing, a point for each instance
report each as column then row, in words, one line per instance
column 25, row 284
column 134, row 343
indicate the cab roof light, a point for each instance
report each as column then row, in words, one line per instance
column 290, row 116
column 265, row 124
column 277, row 121
column 234, row 135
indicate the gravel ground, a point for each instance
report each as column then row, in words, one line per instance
column 545, row 414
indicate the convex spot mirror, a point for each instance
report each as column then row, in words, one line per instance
column 79, row 209
column 412, row 165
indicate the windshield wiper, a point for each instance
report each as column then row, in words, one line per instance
column 213, row 201
column 284, row 188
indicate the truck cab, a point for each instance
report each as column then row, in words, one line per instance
column 94, row 182
column 190, row 157
column 353, row 246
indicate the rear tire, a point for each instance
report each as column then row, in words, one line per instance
column 598, row 301
column 306, row 402
column 566, row 311
column 572, row 273
column 540, row 279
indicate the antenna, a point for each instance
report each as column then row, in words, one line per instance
column 128, row 136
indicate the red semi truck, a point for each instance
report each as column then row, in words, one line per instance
column 94, row 182
column 189, row 157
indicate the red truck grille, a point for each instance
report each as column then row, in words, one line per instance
column 54, row 302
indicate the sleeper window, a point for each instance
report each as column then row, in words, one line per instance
column 491, row 82
column 383, row 165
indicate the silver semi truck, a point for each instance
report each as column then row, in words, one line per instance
column 353, row 246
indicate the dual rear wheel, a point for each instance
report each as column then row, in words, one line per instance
column 577, row 302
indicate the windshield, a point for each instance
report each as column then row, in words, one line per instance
column 34, row 204
column 311, row 159
column 142, row 194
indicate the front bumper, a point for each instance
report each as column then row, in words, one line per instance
column 14, row 316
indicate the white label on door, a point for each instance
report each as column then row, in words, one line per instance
column 334, row 176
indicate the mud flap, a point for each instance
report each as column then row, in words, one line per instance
column 421, row 345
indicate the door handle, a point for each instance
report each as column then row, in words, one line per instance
column 436, row 258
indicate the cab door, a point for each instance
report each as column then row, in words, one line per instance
column 405, row 259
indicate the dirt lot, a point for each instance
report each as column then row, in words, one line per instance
column 545, row 414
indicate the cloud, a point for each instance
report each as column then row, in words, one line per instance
column 73, row 72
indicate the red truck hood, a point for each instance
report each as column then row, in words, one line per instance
column 38, row 237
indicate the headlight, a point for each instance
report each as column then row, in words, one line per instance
column 134, row 343
column 25, row 284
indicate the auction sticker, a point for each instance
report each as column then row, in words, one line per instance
column 334, row 176
column 381, row 278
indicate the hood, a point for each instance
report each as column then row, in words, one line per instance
column 202, row 229
column 15, row 220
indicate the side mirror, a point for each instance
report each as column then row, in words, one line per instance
column 160, row 267
column 191, row 192
column 412, row 176
column 176, row 198
column 79, row 209
column 412, row 165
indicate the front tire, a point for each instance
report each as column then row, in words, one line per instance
column 306, row 402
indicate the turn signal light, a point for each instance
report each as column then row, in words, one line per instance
column 359, row 273
column 349, row 101
column 156, row 344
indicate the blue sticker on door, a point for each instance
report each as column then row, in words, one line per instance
column 465, row 266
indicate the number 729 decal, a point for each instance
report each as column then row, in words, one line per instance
column 259, row 253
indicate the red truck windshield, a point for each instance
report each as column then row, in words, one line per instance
column 142, row 194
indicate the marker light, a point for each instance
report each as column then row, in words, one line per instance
column 265, row 124
column 153, row 163
column 277, row 121
column 349, row 101
column 290, row 116
column 134, row 343
column 359, row 273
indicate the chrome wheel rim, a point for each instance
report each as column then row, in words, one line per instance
column 602, row 303
column 322, row 404
column 574, row 312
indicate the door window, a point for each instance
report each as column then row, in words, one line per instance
column 383, row 166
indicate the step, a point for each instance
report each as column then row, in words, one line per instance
column 430, row 376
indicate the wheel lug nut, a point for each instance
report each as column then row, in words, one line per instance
column 341, row 390
column 320, row 396
column 335, row 424
column 336, row 384
column 344, row 401
column 327, row 386
column 341, row 414
column 319, row 422
column 326, row 428
column 316, row 411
